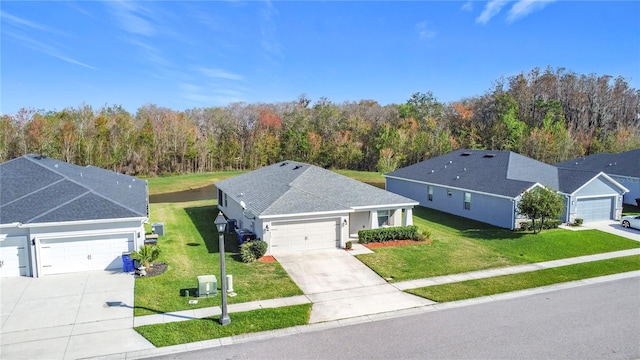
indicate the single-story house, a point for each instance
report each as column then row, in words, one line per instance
column 295, row 206
column 623, row 167
column 57, row 217
column 485, row 185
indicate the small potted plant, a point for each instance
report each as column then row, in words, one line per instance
column 348, row 245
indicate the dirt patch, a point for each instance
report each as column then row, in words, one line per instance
column 394, row 243
column 267, row 259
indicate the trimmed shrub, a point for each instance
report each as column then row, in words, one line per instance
column 348, row 245
column 578, row 221
column 549, row 224
column 253, row 250
column 389, row 234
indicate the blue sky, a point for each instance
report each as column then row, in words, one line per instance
column 190, row 54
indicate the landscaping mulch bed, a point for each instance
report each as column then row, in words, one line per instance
column 394, row 243
column 267, row 259
column 156, row 269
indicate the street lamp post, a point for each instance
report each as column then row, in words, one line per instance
column 221, row 224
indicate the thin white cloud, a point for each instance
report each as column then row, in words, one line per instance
column 524, row 7
column 490, row 10
column 424, row 32
column 468, row 6
column 46, row 49
column 210, row 95
column 219, row 74
column 133, row 17
column 269, row 41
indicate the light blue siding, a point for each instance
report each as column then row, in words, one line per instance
column 489, row 209
column 631, row 183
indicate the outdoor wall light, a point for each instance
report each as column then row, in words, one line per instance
column 266, row 227
column 344, row 222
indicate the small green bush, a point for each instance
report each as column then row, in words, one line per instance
column 146, row 255
column 253, row 250
column 549, row 224
column 389, row 234
column 578, row 221
column 348, row 245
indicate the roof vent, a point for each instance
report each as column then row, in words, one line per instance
column 55, row 166
column 489, row 155
column 432, row 171
column 464, row 169
column 450, row 161
column 465, row 154
column 457, row 177
column 297, row 167
column 283, row 164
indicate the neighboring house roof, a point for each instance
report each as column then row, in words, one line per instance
column 624, row 164
column 494, row 172
column 37, row 189
column 291, row 187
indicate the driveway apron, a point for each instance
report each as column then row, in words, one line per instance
column 614, row 227
column 340, row 286
column 68, row 316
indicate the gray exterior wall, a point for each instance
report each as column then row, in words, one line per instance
column 631, row 183
column 498, row 211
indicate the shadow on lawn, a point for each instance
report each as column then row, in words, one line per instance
column 465, row 227
column 202, row 218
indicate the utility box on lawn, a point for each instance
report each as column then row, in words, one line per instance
column 157, row 228
column 207, row 285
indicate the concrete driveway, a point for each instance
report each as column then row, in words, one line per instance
column 614, row 227
column 340, row 286
column 68, row 316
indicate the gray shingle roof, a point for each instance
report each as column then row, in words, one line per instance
column 292, row 187
column 495, row 172
column 36, row 189
column 625, row 163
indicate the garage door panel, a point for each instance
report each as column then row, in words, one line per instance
column 83, row 254
column 14, row 257
column 595, row 209
column 304, row 235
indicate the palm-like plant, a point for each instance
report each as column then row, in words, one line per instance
column 146, row 255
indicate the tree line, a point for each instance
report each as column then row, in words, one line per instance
column 550, row 115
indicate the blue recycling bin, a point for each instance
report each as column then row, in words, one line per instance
column 127, row 262
column 245, row 235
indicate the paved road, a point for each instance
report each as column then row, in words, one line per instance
column 600, row 321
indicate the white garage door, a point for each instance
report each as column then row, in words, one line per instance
column 595, row 209
column 304, row 235
column 68, row 255
column 13, row 256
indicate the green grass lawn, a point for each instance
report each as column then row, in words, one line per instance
column 190, row 248
column 166, row 184
column 495, row 285
column 630, row 210
column 241, row 323
column 461, row 245
column 371, row 178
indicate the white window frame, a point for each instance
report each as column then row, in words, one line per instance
column 467, row 201
column 384, row 214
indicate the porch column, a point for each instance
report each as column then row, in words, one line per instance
column 408, row 217
column 374, row 219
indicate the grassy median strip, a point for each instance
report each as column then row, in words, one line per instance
column 500, row 284
column 241, row 323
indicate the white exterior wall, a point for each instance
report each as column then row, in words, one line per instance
column 129, row 228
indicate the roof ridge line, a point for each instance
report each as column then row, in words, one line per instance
column 59, row 206
column 33, row 192
column 65, row 177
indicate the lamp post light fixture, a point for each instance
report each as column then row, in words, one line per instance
column 221, row 224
